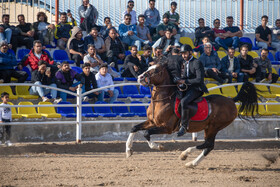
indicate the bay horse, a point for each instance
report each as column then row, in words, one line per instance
column 163, row 120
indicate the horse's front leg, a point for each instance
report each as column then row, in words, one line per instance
column 155, row 130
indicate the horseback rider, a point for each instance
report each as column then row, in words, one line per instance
column 189, row 75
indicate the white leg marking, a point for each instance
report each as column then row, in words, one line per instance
column 185, row 153
column 154, row 145
column 129, row 144
column 196, row 161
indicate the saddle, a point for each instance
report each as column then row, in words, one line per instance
column 199, row 109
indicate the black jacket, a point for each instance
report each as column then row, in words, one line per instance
column 173, row 62
column 43, row 78
column 89, row 81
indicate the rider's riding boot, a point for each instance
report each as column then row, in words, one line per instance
column 184, row 123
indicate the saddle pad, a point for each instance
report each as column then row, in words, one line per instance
column 202, row 110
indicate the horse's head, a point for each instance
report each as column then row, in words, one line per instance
column 155, row 75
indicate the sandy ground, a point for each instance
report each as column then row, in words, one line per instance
column 237, row 163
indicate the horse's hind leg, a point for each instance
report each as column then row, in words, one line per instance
column 155, row 130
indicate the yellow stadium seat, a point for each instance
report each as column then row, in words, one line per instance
column 261, row 110
column 264, row 91
column 221, row 54
column 222, row 49
column 15, row 115
column 273, row 109
column 22, row 91
column 236, row 54
column 209, row 79
column 187, row 40
column 229, row 91
column 28, row 112
column 212, row 92
column 9, row 91
column 253, row 54
column 140, row 52
column 275, row 90
column 48, row 112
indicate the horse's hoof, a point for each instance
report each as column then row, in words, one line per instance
column 183, row 156
column 190, row 165
column 160, row 147
column 129, row 153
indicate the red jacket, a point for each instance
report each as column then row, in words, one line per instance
column 32, row 60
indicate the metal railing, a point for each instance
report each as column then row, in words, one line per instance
column 79, row 121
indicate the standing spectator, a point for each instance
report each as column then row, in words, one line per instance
column 263, row 36
column 143, row 31
column 104, row 31
column 26, row 36
column 65, row 78
column 161, row 28
column 132, row 66
column 265, row 65
column 167, row 42
column 44, row 31
column 276, row 32
column 128, row 33
column 212, row 64
column 174, row 17
column 63, row 29
column 97, row 41
column 231, row 66
column 75, row 45
column 232, row 35
column 7, row 63
column 130, row 5
column 5, row 117
column 7, row 31
column 146, row 58
column 152, row 17
column 88, row 16
column 200, row 48
column 114, row 48
column 43, row 76
column 247, row 64
column 203, row 31
column 35, row 55
column 89, row 81
column 104, row 79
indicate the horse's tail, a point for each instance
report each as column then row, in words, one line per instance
column 248, row 97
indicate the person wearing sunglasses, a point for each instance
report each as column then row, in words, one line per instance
column 129, row 10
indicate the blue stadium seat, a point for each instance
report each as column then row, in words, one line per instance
column 120, row 62
column 61, row 55
column 138, row 110
column 24, row 68
column 121, row 95
column 21, row 53
column 87, row 111
column 104, row 111
column 277, row 59
column 77, row 69
column 121, row 110
column 127, row 53
column 248, row 40
column 11, row 51
column 145, row 91
column 68, row 112
column 118, row 79
column 132, row 91
column 47, row 52
column 131, row 79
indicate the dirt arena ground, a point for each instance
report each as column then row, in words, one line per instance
column 232, row 163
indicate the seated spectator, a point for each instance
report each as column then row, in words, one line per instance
column 247, row 64
column 265, row 65
column 26, row 36
column 75, row 45
column 104, row 79
column 95, row 61
column 231, row 37
column 200, row 48
column 104, row 30
column 88, row 16
column 7, row 31
column 203, row 31
column 89, row 82
column 132, row 66
column 143, row 31
column 43, row 76
column 231, row 66
column 263, row 36
column 174, row 17
column 114, row 48
column 7, row 63
column 219, row 32
column 44, row 31
column 63, row 29
column 167, row 42
column 152, row 17
column 35, row 55
column 212, row 65
column 97, row 41
column 65, row 78
column 128, row 33
column 146, row 58
column 130, row 5
column 276, row 32
column 161, row 28
column 158, row 56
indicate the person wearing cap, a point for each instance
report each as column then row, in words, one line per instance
column 152, row 17
column 174, row 17
column 190, row 76
column 130, row 5
column 7, row 63
column 161, row 28
column 103, row 79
